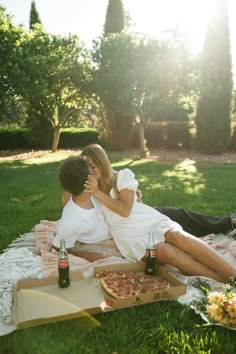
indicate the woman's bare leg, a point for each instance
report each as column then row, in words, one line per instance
column 169, row 254
column 201, row 251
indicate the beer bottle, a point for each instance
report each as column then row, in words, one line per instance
column 63, row 266
column 150, row 255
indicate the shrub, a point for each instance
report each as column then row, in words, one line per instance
column 178, row 135
column 11, row 139
column 76, row 137
column 233, row 138
column 14, row 138
column 155, row 134
column 41, row 133
column 165, row 134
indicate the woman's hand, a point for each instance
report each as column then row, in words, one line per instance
column 121, row 206
column 91, row 185
column 139, row 196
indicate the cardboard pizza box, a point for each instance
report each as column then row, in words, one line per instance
column 176, row 289
column 41, row 301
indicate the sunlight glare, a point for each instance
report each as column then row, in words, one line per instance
column 191, row 17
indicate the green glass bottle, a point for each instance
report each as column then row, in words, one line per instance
column 63, row 266
column 150, row 268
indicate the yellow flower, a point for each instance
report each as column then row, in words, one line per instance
column 216, row 297
column 231, row 309
column 221, row 308
column 214, row 312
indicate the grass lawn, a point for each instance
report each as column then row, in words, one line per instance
column 30, row 191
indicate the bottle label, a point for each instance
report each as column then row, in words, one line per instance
column 63, row 263
column 151, row 253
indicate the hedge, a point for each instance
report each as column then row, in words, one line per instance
column 73, row 138
column 233, row 138
column 11, row 139
column 169, row 135
column 165, row 134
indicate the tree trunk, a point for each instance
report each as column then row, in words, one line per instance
column 141, row 140
column 56, row 138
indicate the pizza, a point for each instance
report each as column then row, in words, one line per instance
column 103, row 273
column 126, row 283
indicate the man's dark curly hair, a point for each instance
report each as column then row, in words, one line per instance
column 73, row 174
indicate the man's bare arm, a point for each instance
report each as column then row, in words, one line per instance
column 90, row 256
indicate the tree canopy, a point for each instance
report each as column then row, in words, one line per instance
column 54, row 76
column 10, row 39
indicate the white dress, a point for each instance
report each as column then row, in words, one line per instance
column 130, row 233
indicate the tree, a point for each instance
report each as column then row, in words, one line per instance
column 114, row 59
column 213, row 113
column 161, row 75
column 172, row 90
column 34, row 16
column 54, row 76
column 115, row 17
column 10, row 39
column 114, row 24
column 133, row 74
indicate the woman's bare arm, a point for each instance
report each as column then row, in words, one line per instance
column 121, row 206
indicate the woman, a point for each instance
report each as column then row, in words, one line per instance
column 130, row 222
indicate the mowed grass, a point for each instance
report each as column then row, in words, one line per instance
column 161, row 327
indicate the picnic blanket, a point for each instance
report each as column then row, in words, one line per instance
column 30, row 256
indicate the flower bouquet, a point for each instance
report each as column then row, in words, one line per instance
column 217, row 307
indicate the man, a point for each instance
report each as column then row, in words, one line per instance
column 82, row 223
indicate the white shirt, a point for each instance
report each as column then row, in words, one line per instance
column 79, row 224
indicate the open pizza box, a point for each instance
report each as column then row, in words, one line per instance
column 41, row 301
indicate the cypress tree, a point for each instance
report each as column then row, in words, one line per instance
column 34, row 16
column 115, row 23
column 213, row 113
column 115, row 17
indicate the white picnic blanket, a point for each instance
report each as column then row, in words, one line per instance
column 30, row 257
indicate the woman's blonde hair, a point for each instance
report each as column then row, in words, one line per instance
column 101, row 160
